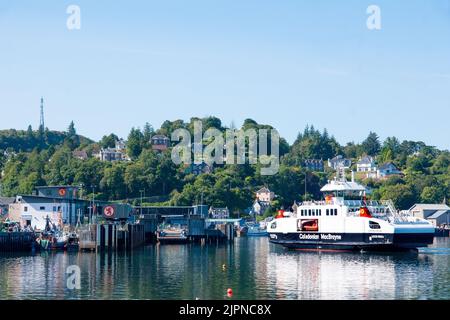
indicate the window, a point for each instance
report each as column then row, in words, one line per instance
column 309, row 212
column 335, row 212
column 320, row 212
column 273, row 226
column 314, row 212
column 25, row 209
column 42, row 208
column 54, row 209
column 374, row 225
column 328, row 212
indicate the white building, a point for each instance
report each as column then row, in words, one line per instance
column 366, row 164
column 339, row 162
column 114, row 154
column 33, row 211
column 265, row 195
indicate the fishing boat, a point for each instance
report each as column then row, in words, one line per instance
column 55, row 239
column 172, row 234
column 346, row 220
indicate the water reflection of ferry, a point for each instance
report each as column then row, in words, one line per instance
column 342, row 223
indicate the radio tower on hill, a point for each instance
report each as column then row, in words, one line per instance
column 41, row 122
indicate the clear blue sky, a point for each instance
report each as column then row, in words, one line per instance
column 285, row 63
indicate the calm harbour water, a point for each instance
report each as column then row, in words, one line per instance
column 254, row 269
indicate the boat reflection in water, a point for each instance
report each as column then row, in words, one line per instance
column 253, row 267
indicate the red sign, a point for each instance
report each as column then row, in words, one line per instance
column 109, row 211
column 62, row 192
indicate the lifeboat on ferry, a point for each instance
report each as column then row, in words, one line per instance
column 310, row 225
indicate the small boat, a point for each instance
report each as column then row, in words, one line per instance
column 172, row 234
column 73, row 242
column 256, row 230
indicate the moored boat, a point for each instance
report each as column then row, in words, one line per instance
column 256, row 230
column 172, row 234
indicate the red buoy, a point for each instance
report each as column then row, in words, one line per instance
column 230, row 293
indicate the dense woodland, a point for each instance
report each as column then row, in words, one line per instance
column 42, row 157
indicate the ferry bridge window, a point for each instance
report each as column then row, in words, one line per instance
column 25, row 209
column 314, row 212
column 309, row 212
column 374, row 225
column 335, row 212
column 42, row 208
column 328, row 212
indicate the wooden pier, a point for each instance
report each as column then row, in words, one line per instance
column 16, row 241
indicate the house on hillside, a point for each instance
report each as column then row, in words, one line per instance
column 160, row 143
column 339, row 162
column 118, row 153
column 366, row 164
column 314, row 165
column 388, row 169
column 265, row 195
column 80, row 154
column 259, row 208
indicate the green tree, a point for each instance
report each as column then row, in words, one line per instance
column 135, row 143
column 371, row 146
column 432, row 194
column 109, row 141
column 402, row 195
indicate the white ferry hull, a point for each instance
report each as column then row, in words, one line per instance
column 353, row 241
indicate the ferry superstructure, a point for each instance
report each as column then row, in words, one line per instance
column 342, row 223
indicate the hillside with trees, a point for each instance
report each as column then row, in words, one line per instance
column 32, row 158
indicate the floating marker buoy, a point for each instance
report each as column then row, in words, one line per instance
column 224, row 266
column 230, row 293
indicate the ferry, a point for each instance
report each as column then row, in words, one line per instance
column 345, row 220
column 172, row 234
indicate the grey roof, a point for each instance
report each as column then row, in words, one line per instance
column 387, row 165
column 366, row 160
column 264, row 189
column 160, row 136
column 437, row 214
column 428, row 206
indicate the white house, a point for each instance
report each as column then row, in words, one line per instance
column 366, row 164
column 387, row 169
column 339, row 162
column 265, row 195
